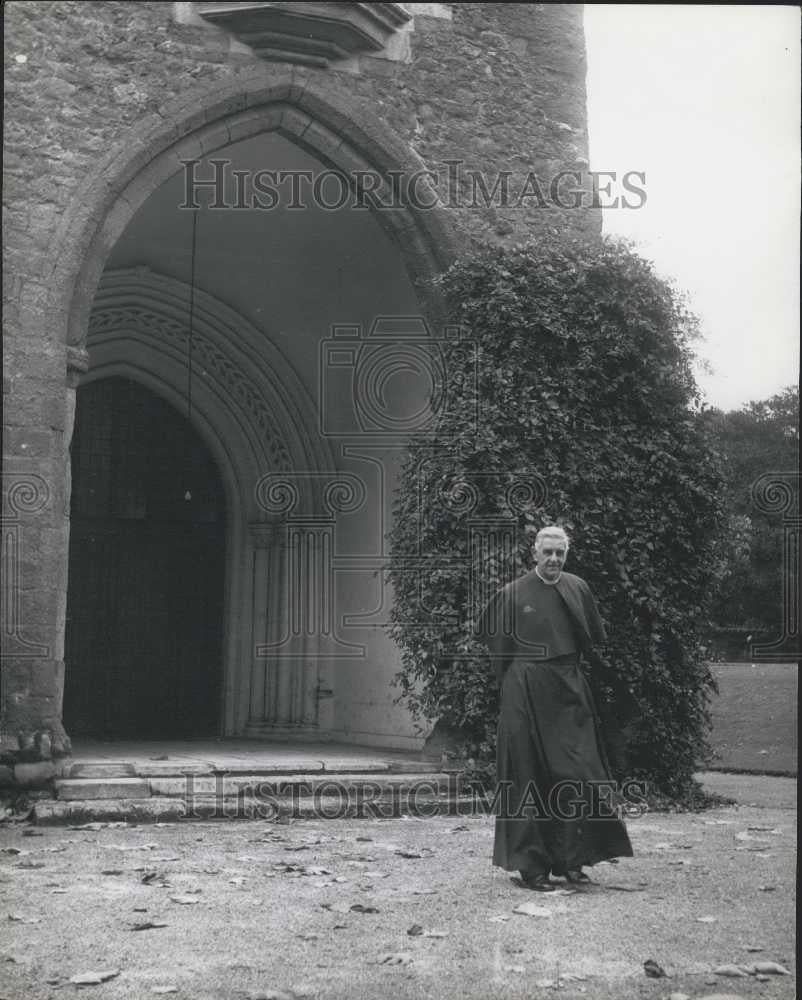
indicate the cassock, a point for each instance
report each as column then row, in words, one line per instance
column 555, row 804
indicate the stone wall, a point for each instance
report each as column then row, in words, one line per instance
column 94, row 89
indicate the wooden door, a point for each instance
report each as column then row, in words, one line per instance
column 143, row 643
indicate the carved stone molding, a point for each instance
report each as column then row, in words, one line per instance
column 314, row 34
column 146, row 322
column 248, row 375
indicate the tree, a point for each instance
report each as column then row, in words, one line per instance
column 762, row 437
column 585, row 413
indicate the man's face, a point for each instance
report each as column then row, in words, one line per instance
column 550, row 553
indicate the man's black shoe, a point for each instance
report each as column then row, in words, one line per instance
column 537, row 883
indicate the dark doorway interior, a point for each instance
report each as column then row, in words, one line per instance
column 145, row 601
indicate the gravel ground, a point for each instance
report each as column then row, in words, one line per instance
column 242, row 919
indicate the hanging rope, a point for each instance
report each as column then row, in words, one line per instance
column 191, row 333
column 190, row 339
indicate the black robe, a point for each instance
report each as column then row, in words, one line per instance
column 556, row 808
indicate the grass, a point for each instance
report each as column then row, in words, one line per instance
column 755, row 718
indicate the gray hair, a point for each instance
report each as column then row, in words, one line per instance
column 552, row 531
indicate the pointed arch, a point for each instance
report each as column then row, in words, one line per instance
column 326, row 122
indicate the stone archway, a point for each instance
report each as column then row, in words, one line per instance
column 324, row 121
column 318, row 115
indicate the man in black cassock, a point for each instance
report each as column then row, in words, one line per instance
column 556, row 805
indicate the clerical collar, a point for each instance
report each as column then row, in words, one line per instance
column 549, row 583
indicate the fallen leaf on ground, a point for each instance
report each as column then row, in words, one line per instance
column 396, row 958
column 533, row 910
column 460, row 829
column 148, row 925
column 767, row 888
column 500, row 919
column 424, row 892
column 653, row 970
column 161, row 990
column 307, row 937
column 155, row 878
column 17, row 919
column 359, row 908
column 753, row 947
column 185, row 900
column 733, row 971
column 744, row 835
column 13, row 850
column 624, row 888
column 94, row 978
column 113, row 871
column 771, row 968
column 336, row 907
column 415, row 930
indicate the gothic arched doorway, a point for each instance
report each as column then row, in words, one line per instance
column 143, row 643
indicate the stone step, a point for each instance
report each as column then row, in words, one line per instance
column 102, row 788
column 172, row 768
column 295, row 785
column 52, row 812
column 160, row 809
column 104, row 769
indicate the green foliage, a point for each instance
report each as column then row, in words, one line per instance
column 762, row 437
column 587, row 407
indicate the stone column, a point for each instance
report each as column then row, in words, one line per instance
column 35, row 547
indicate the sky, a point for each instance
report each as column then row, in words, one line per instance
column 705, row 100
